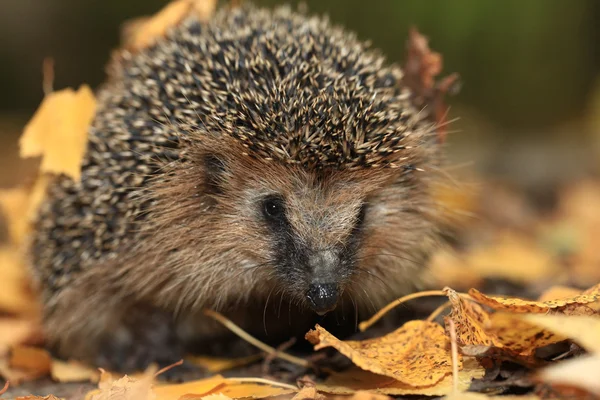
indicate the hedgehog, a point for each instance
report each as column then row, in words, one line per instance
column 266, row 164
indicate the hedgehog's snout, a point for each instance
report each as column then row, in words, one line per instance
column 322, row 297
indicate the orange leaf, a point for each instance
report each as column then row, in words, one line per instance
column 471, row 322
column 58, row 131
column 416, row 354
column 31, row 359
column 518, row 305
column 355, row 380
column 148, row 31
column 584, row 330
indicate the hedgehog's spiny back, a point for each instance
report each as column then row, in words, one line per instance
column 288, row 87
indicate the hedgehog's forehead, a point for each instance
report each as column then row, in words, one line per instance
column 327, row 133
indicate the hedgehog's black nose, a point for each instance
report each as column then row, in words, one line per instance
column 322, row 297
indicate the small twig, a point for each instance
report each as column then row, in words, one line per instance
column 255, row 342
column 454, row 349
column 438, row 311
column 262, row 380
column 4, row 389
column 168, row 367
column 366, row 324
column 270, row 357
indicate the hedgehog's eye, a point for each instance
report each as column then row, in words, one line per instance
column 273, row 208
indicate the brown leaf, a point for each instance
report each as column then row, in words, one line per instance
column 420, row 69
column 416, row 354
column 58, row 131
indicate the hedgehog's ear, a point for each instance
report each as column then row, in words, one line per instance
column 214, row 168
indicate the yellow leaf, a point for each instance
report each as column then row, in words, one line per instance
column 13, row 331
column 416, row 354
column 584, row 330
column 58, row 131
column 518, row 305
column 72, row 371
column 215, row 364
column 354, row 380
column 147, row 31
column 582, row 372
column 15, row 296
column 471, row 322
column 513, row 257
column 197, row 388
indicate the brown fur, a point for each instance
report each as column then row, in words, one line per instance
column 151, row 226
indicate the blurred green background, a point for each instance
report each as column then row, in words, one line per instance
column 529, row 107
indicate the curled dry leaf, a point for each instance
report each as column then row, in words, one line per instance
column 471, row 322
column 475, row 327
column 49, row 397
column 585, row 330
column 582, row 372
column 416, row 354
column 142, row 33
column 356, row 379
column 58, row 131
column 517, row 305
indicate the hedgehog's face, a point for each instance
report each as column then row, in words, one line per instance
column 319, row 236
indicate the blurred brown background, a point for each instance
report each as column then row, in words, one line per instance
column 529, row 107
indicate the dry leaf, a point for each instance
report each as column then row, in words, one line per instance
column 49, row 397
column 362, row 395
column 584, row 330
column 559, row 293
column 471, row 322
column 481, row 396
column 308, row 393
column 145, row 32
column 416, row 354
column 215, row 364
column 356, row 379
column 252, row 390
column 195, row 389
column 15, row 296
column 72, row 371
column 219, row 396
column 517, row 305
column 35, row 361
column 513, row 257
column 582, row 372
column 58, row 131
column 126, row 388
